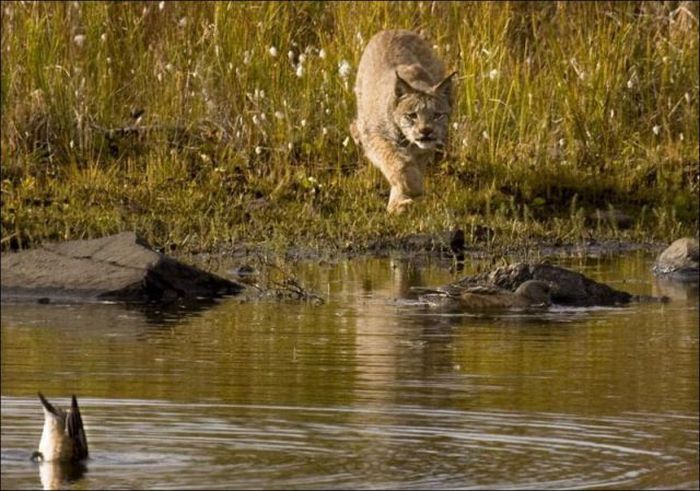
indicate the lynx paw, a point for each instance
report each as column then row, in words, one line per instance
column 399, row 206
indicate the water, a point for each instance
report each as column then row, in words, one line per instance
column 366, row 391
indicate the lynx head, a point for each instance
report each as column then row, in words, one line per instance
column 422, row 113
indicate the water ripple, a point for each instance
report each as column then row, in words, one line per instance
column 141, row 443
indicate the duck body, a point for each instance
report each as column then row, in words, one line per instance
column 63, row 437
column 530, row 294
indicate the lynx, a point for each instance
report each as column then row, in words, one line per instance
column 403, row 106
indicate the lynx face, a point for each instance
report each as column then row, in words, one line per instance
column 422, row 120
column 422, row 116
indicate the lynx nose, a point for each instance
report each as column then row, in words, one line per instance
column 425, row 130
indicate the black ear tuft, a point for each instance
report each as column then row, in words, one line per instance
column 444, row 87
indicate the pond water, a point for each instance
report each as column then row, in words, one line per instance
column 365, row 391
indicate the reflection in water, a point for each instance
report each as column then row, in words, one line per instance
column 368, row 390
column 55, row 475
column 675, row 290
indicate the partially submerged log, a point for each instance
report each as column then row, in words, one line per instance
column 120, row 267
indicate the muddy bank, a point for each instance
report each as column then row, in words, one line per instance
column 450, row 246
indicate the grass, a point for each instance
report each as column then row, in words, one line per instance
column 561, row 109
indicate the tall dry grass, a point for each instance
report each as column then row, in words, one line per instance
column 201, row 124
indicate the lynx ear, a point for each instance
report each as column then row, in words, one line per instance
column 402, row 87
column 443, row 87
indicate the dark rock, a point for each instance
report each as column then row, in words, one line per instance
column 569, row 287
column 457, row 242
column 120, row 267
column 680, row 261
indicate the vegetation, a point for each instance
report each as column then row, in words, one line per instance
column 206, row 124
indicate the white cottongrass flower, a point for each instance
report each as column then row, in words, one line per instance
column 346, row 141
column 256, row 119
column 324, row 131
column 246, row 57
column 344, row 69
column 687, row 97
column 290, row 55
column 300, row 70
column 302, row 123
column 302, row 58
column 273, row 51
column 161, row 5
column 182, row 22
column 258, row 150
column 103, row 37
column 279, row 115
column 494, row 74
column 322, row 53
column 79, row 40
column 485, row 135
column 656, row 129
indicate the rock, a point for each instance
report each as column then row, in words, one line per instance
column 120, row 267
column 245, row 274
column 680, row 261
column 568, row 287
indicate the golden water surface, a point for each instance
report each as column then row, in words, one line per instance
column 368, row 390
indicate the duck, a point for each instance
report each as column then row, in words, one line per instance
column 63, row 438
column 530, row 294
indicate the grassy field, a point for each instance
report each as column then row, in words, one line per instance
column 206, row 124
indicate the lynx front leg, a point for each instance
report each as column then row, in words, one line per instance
column 404, row 177
column 406, row 184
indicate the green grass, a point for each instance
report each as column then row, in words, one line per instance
column 562, row 108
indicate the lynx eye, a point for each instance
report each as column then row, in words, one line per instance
column 412, row 116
